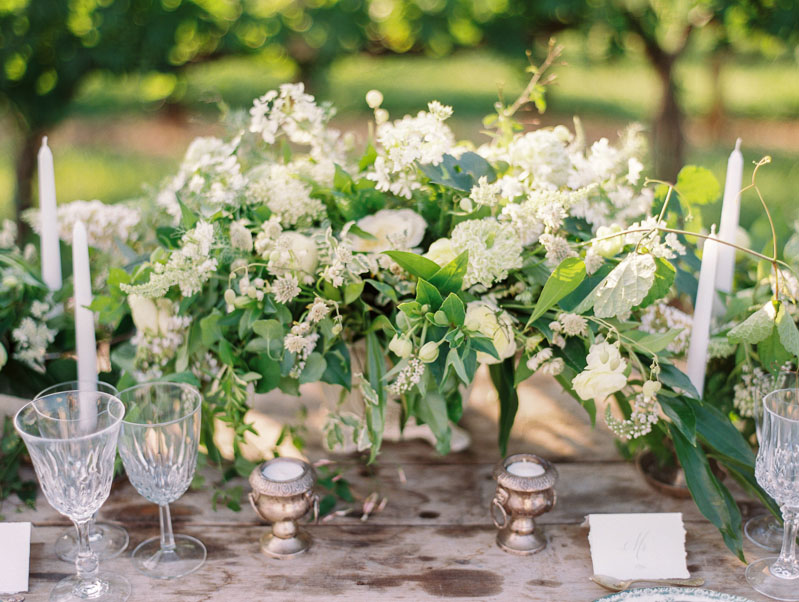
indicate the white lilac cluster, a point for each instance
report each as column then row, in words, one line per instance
column 188, row 268
column 494, row 249
column 210, row 175
column 755, row 383
column 32, row 337
column 645, row 414
column 667, row 247
column 292, row 112
column 105, row 224
column 407, row 143
column 661, row 317
column 408, row 377
column 280, row 188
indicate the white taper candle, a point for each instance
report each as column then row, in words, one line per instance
column 48, row 220
column 728, row 226
column 703, row 313
column 85, row 343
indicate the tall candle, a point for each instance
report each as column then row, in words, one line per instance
column 282, row 470
column 85, row 344
column 728, row 226
column 703, row 313
column 48, row 220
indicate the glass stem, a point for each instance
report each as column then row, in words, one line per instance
column 787, row 567
column 167, row 539
column 86, row 562
column 95, row 532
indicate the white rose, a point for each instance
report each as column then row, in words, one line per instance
column 610, row 247
column 294, row 252
column 598, row 384
column 441, row 252
column 482, row 317
column 144, row 313
column 256, row 447
column 392, row 228
column 605, row 356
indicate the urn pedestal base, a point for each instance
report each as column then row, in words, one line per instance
column 277, row 547
column 522, row 544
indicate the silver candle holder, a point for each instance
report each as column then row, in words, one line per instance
column 282, row 493
column 525, row 490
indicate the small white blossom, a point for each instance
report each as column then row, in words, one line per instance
column 285, row 288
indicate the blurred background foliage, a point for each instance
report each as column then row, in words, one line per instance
column 121, row 86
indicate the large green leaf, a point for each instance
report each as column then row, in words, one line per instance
column 712, row 498
column 375, row 371
column 566, row 277
column 673, row 377
column 756, row 327
column 718, row 433
column 653, row 342
column 503, row 379
column 427, row 294
column 681, row 415
column 697, row 185
column 665, row 273
column 432, row 410
column 449, row 279
column 626, row 286
column 315, row 367
column 454, row 309
column 269, row 370
column 771, row 352
column 414, row 264
column 789, row 334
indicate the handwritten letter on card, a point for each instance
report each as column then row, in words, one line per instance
column 638, row 546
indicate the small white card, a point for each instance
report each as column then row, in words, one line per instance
column 15, row 548
column 638, row 546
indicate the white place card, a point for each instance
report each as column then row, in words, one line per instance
column 638, row 546
column 15, row 548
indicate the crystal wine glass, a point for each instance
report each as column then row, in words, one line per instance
column 764, row 530
column 107, row 540
column 777, row 472
column 158, row 444
column 71, row 437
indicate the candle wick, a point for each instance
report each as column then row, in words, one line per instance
column 738, row 145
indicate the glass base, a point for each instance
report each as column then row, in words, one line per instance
column 764, row 531
column 108, row 587
column 760, row 577
column 106, row 540
column 187, row 556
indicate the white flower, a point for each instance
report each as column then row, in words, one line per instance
column 573, row 324
column 401, row 229
column 293, row 253
column 32, row 338
column 634, row 169
column 661, row 317
column 484, row 193
column 286, row 288
column 318, row 310
column 543, row 156
column 401, row 347
column 592, row 262
column 8, row 234
column 287, row 196
column 240, row 236
column 441, row 252
column 535, row 361
column 495, row 324
column 144, row 313
column 609, row 247
column 429, row 352
column 494, row 249
column 557, row 248
column 604, row 373
column 374, row 98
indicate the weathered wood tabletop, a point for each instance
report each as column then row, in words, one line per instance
column 433, row 539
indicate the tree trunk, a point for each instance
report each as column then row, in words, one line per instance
column 668, row 141
column 25, row 168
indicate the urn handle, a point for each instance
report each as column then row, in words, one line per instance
column 314, row 498
column 500, row 497
column 253, row 497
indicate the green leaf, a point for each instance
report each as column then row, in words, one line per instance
column 361, row 233
column 449, row 279
column 168, row 237
column 718, row 433
column 269, row 370
column 756, row 327
column 771, row 352
column 665, row 273
column 713, row 499
column 485, row 345
column 384, row 289
column 681, row 415
column 352, row 291
column 188, row 218
column 368, row 158
column 697, row 185
column 566, row 277
column 427, row 294
column 210, row 329
column 315, row 367
column 268, row 329
column 432, row 410
column 653, row 342
column 454, row 309
column 503, row 379
column 414, row 264
column 375, row 371
column 789, row 334
column 337, row 371
column 674, row 378
column 454, row 360
column 626, row 286
column 342, row 180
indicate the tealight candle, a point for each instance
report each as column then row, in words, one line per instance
column 282, row 470
column 525, row 469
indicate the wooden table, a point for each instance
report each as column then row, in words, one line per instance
column 434, row 539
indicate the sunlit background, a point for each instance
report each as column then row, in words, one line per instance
column 122, row 86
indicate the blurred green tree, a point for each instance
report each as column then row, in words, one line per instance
column 48, row 48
